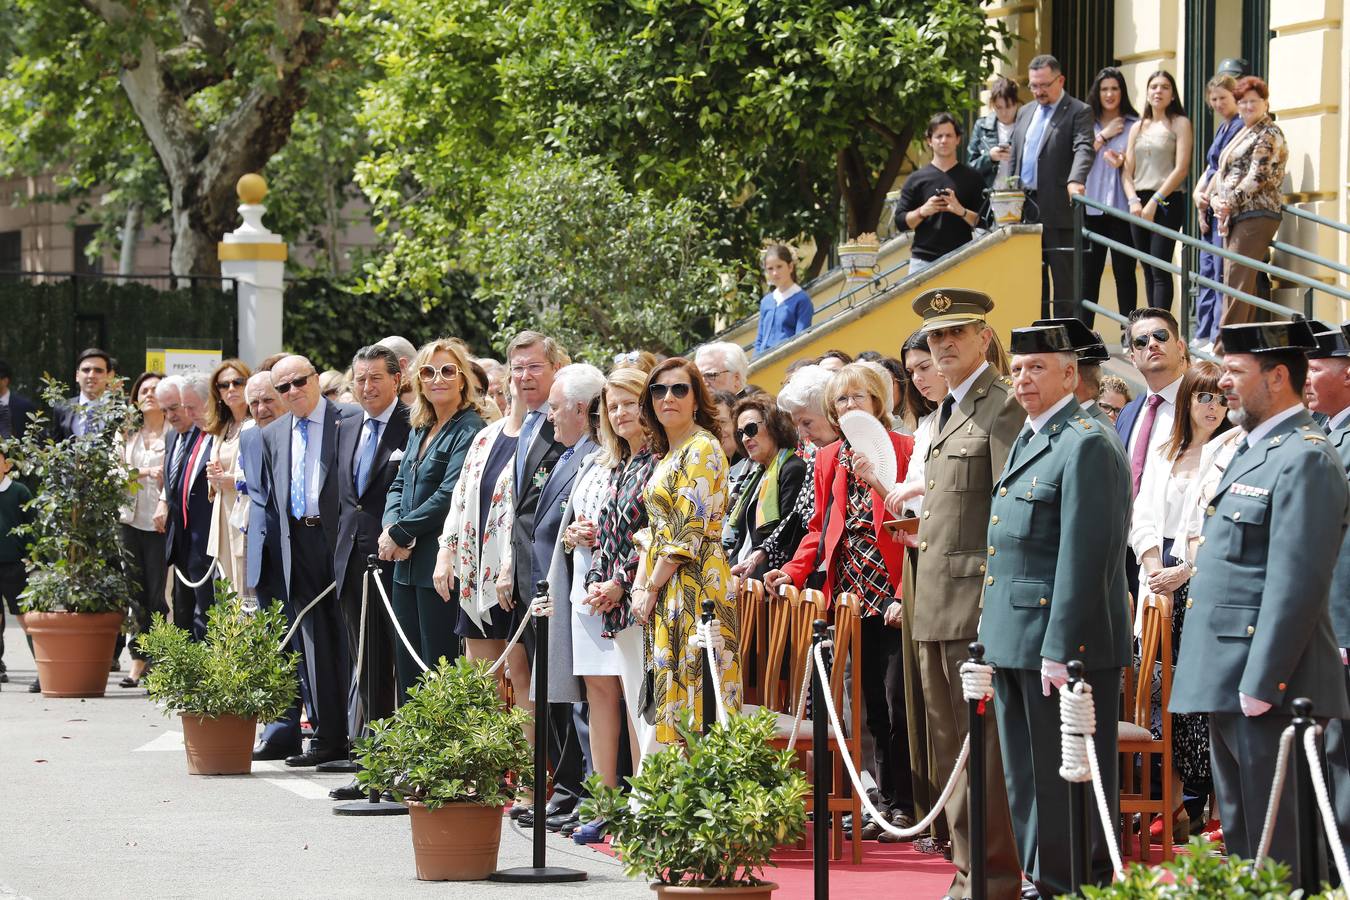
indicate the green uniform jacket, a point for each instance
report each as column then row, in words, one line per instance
column 958, row 475
column 1056, row 584
column 1095, row 412
column 1340, row 580
column 1258, row 620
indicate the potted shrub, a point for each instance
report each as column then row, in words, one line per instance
column 1201, row 873
column 447, row 752
column 223, row 685
column 78, row 590
column 703, row 817
column 1006, row 200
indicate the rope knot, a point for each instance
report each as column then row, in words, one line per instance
column 1077, row 725
column 977, row 682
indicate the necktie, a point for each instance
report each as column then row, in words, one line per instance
column 6, row 422
column 299, row 493
column 945, row 412
column 1140, row 454
column 77, row 423
column 1031, row 150
column 180, row 450
column 1023, row 438
column 187, row 472
column 367, row 460
column 523, row 448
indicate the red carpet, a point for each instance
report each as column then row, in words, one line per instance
column 887, row 870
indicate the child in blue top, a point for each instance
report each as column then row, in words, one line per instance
column 785, row 311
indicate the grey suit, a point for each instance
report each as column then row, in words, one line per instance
column 1065, row 156
column 1338, row 747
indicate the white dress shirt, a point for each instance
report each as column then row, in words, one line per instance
column 1339, row 419
column 923, row 440
column 1260, row 431
column 383, row 418
column 1162, row 422
column 314, row 439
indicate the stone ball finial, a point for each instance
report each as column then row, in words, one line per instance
column 251, row 188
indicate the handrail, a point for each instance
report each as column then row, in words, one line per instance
column 1223, row 252
column 1311, row 257
column 1314, row 217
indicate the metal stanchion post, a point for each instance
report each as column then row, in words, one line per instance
column 709, row 683
column 976, row 797
column 1312, row 860
column 539, row 873
column 821, row 773
column 374, row 804
column 1080, row 835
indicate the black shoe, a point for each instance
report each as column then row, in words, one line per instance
column 313, row 757
column 350, row 791
column 517, row 810
column 271, row 751
column 4, row 677
column 116, row 666
column 35, row 687
column 526, row 820
column 561, row 820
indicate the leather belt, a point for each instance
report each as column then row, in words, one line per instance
column 307, row 522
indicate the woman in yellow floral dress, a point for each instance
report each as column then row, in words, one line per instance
column 683, row 561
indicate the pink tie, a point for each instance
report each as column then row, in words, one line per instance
column 1140, row 453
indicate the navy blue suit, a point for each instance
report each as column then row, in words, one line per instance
column 19, row 408
column 1126, row 419
column 185, row 544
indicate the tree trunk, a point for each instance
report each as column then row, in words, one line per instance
column 131, row 230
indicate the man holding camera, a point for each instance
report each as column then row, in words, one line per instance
column 940, row 202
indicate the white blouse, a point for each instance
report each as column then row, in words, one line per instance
column 1213, row 462
column 924, row 432
column 1157, row 507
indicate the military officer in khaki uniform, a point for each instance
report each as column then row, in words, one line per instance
column 1091, row 351
column 1328, row 393
column 1055, row 592
column 1258, row 631
column 977, row 423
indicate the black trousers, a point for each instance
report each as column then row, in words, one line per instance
column 284, row 733
column 1057, row 297
column 883, row 691
column 190, row 604
column 1122, row 266
column 375, row 680
column 13, row 580
column 1157, row 283
column 147, row 568
column 324, row 635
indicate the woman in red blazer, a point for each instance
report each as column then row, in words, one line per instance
column 848, row 542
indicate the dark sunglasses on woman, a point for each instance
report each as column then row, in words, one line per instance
column 750, row 430
column 1210, row 397
column 228, row 383
column 678, row 391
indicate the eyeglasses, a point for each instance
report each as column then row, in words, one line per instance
column 447, row 372
column 228, row 383
column 534, row 370
column 1110, row 410
column 750, row 430
column 1161, row 335
column 1211, row 397
column 678, row 391
column 713, row 375
column 859, row 400
column 294, row 384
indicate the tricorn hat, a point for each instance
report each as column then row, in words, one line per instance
column 1041, row 339
column 1332, row 343
column 1268, row 337
column 1087, row 343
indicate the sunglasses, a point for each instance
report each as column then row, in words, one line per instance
column 678, row 391
column 711, row 375
column 1161, row 335
column 225, row 385
column 294, row 384
column 448, row 372
column 750, row 430
column 1211, row 397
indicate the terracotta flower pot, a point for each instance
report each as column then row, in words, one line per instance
column 219, row 745
column 740, row 891
column 73, row 651
column 457, row 842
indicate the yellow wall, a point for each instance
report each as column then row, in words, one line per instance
column 1007, row 266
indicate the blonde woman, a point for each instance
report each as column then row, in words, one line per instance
column 444, row 418
column 226, row 416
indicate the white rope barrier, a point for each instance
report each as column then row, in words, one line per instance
column 1276, row 790
column 705, row 640
column 398, row 629
column 1319, row 780
column 210, row 570
column 1078, row 757
column 361, row 634
column 947, row 790
column 801, row 707
column 301, row 615
column 515, row 638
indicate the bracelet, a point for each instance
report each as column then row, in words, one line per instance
column 1160, row 201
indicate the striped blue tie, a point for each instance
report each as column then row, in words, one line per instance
column 298, row 471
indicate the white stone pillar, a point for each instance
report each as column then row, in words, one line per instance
column 256, row 259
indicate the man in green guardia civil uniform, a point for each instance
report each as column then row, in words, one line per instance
column 1091, row 351
column 1258, row 630
column 1055, row 592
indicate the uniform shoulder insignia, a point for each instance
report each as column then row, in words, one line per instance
column 1083, row 424
column 1006, row 380
column 1315, row 438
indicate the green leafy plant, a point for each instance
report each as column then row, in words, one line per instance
column 238, row 670
column 75, row 557
column 1201, row 873
column 451, row 742
column 708, row 812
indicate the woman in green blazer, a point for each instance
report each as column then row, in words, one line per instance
column 445, row 417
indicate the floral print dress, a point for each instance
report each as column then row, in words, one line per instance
column 686, row 501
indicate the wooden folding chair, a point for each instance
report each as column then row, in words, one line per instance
column 1155, row 647
column 753, row 611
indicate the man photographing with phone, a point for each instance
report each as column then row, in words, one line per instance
column 940, row 202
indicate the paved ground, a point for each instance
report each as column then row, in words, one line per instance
column 98, row 804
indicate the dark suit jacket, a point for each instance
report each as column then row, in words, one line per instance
column 791, row 475
column 19, row 408
column 831, row 487
column 552, row 501
column 419, row 496
column 277, row 471
column 1065, row 155
column 359, row 516
column 542, row 457
column 63, row 418
column 1128, row 417
column 182, row 545
column 255, row 486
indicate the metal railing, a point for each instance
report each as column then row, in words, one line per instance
column 1191, row 279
